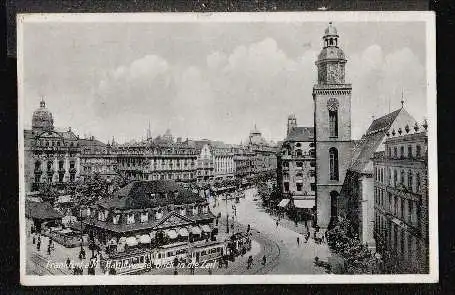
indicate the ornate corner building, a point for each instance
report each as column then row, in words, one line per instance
column 51, row 156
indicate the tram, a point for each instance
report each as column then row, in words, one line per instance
column 207, row 252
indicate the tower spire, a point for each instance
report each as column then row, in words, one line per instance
column 402, row 99
column 42, row 103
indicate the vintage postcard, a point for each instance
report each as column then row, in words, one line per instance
column 184, row 148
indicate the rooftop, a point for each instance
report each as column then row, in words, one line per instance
column 301, row 134
column 150, row 194
column 41, row 210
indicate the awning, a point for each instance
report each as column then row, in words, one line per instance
column 122, row 240
column 196, row 230
column 301, row 204
column 65, row 231
column 206, row 228
column 131, row 241
column 171, row 234
column 183, row 232
column 145, row 239
column 283, row 203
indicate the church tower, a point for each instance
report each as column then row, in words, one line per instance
column 332, row 121
column 292, row 122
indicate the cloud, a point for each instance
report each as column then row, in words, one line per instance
column 142, row 87
column 252, row 84
column 378, row 80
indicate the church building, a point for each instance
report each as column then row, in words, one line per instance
column 332, row 121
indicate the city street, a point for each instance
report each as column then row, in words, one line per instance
column 288, row 258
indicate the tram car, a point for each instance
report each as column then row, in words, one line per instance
column 166, row 254
column 207, row 252
column 128, row 262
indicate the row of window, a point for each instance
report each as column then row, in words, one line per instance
column 310, row 173
column 50, row 177
column 298, row 186
column 158, row 151
column 143, row 217
column 404, row 209
column 47, row 143
column 411, row 153
column 396, row 176
column 50, row 164
column 397, row 240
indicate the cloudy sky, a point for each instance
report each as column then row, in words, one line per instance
column 212, row 80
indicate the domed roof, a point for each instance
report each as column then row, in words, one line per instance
column 331, row 30
column 42, row 118
column 331, row 53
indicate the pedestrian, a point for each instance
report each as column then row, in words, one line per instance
column 307, row 236
column 298, row 241
column 33, row 240
column 68, row 262
column 249, row 262
column 49, row 249
column 38, row 245
column 210, row 270
column 277, row 221
column 264, row 260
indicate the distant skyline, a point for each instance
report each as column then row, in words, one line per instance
column 213, row 80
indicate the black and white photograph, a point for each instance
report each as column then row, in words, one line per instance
column 227, row 148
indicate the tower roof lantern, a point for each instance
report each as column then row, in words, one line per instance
column 331, row 31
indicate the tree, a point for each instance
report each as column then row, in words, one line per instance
column 48, row 193
column 343, row 241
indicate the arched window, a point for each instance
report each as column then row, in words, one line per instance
column 37, row 165
column 333, row 123
column 333, row 163
column 410, row 180
column 299, row 153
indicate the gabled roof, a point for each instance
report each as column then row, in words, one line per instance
column 41, row 210
column 150, row 194
column 383, row 122
column 368, row 147
column 301, row 134
column 369, row 143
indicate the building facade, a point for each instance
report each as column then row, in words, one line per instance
column 97, row 158
column 296, row 175
column 356, row 200
column 332, row 121
column 263, row 158
column 401, row 200
column 51, row 156
column 160, row 159
column 157, row 221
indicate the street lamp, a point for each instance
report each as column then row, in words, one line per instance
column 227, row 216
column 235, row 214
column 82, row 238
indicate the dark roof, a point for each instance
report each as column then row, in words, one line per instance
column 301, row 134
column 369, row 143
column 365, row 151
column 91, row 142
column 138, row 194
column 383, row 122
column 41, row 210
